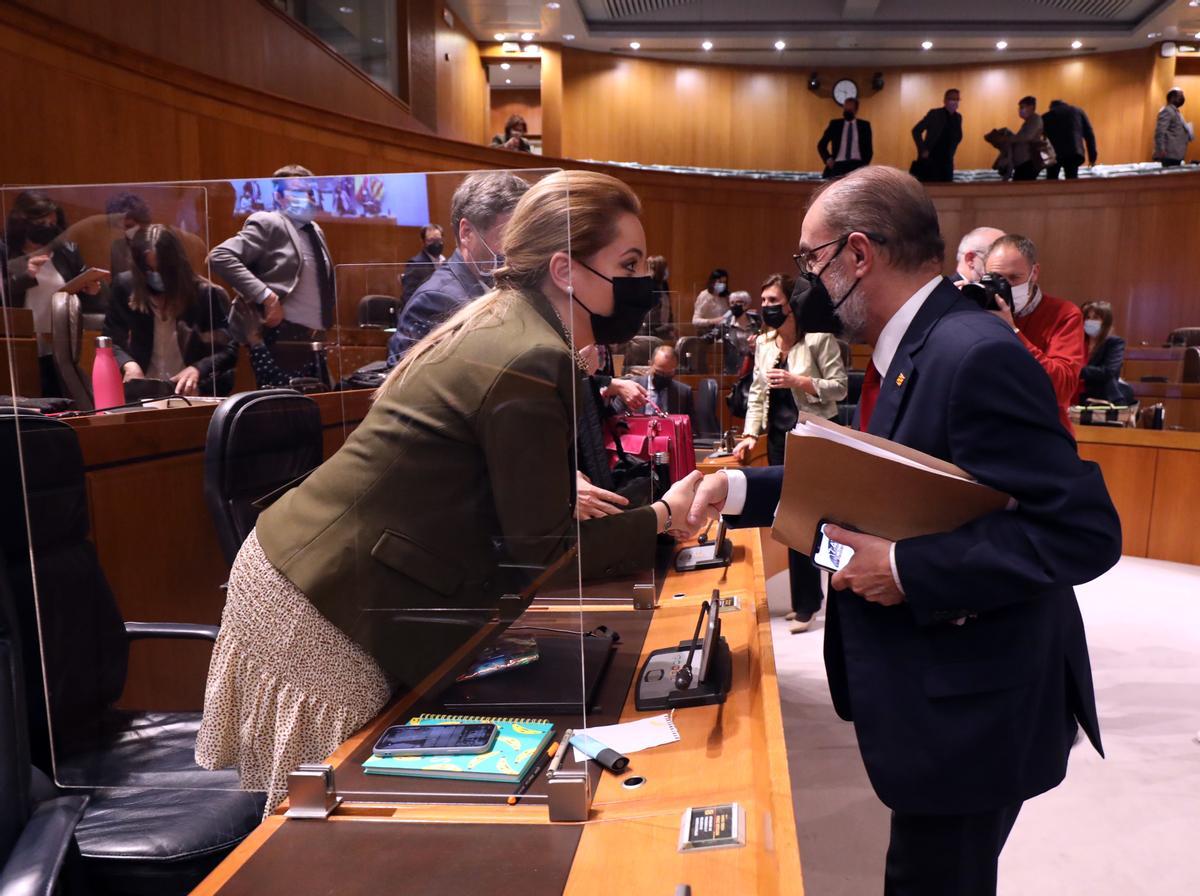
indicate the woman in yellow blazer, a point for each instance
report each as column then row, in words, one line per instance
column 392, row 556
column 793, row 372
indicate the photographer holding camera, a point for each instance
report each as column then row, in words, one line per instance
column 1051, row 329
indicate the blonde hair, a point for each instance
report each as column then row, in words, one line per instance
column 569, row 211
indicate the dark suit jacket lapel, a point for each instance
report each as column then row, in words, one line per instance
column 458, row 268
column 898, row 380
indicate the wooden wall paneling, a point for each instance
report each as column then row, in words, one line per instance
column 1129, row 472
column 462, row 89
column 550, row 97
column 1174, row 534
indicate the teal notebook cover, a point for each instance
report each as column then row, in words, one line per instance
column 519, row 742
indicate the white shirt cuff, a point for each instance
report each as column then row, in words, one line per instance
column 895, row 572
column 266, row 294
column 735, row 500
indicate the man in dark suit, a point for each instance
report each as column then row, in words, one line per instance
column 960, row 657
column 421, row 266
column 846, row 143
column 1069, row 132
column 667, row 395
column 479, row 213
column 937, row 136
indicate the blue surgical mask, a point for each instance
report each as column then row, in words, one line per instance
column 1092, row 328
column 154, row 282
column 299, row 207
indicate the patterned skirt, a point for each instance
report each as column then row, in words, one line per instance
column 285, row 686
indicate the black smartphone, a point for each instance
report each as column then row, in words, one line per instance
column 431, row 740
column 827, row 553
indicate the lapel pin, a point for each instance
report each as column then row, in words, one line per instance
column 900, row 380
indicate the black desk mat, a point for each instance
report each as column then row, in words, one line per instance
column 363, row 858
column 353, row 785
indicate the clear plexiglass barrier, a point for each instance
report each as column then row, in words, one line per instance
column 292, row 461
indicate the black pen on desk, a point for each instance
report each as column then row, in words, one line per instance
column 533, row 773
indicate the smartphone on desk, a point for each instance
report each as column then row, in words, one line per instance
column 433, row 740
column 829, row 554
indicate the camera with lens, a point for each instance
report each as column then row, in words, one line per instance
column 985, row 291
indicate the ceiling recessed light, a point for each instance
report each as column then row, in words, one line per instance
column 707, row 45
column 499, row 36
column 510, row 47
column 505, row 65
column 1197, row 35
column 568, row 37
column 1154, row 34
column 1193, row 2
column 508, row 80
column 527, row 35
column 346, row 9
column 780, row 45
column 552, row 5
column 377, row 40
column 1076, row 44
column 926, row 45
column 634, row 45
column 531, row 48
column 1001, row 45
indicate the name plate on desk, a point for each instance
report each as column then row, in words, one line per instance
column 712, row 827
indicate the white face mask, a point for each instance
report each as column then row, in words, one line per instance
column 719, row 289
column 1021, row 296
column 1092, row 328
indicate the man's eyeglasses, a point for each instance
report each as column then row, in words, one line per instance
column 806, row 261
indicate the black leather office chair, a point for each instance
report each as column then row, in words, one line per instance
column 378, row 312
column 694, row 354
column 848, row 405
column 66, row 337
column 257, row 443
column 707, row 422
column 37, row 830
column 155, row 823
column 1184, row 336
column 639, row 350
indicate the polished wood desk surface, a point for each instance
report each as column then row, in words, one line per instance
column 733, row 752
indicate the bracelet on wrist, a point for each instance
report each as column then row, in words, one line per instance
column 667, row 508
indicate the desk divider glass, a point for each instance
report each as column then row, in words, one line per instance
column 439, row 542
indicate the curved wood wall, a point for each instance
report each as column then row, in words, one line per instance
column 117, row 116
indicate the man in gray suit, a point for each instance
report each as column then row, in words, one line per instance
column 280, row 261
column 1172, row 134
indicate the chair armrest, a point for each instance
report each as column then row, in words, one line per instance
column 135, row 631
column 33, row 866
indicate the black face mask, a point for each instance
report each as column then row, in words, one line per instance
column 43, row 234
column 434, row 249
column 812, row 305
column 661, row 381
column 633, row 297
column 774, row 315
column 737, row 310
column 849, row 116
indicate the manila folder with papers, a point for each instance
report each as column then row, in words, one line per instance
column 873, row 485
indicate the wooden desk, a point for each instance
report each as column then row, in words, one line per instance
column 1148, row 360
column 1181, row 402
column 18, row 343
column 1153, row 477
column 733, row 752
column 155, row 538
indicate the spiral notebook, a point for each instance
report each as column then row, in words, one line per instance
column 519, row 742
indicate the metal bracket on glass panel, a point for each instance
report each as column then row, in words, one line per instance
column 311, row 793
column 570, row 795
column 645, row 596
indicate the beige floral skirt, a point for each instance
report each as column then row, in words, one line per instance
column 285, row 685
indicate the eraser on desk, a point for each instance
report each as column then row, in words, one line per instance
column 606, row 756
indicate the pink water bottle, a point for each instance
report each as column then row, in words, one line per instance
column 107, row 387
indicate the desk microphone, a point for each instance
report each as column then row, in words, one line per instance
column 683, row 678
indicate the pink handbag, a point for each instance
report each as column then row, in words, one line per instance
column 644, row 435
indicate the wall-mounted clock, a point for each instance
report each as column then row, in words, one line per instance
column 843, row 90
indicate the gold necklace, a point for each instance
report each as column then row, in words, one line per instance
column 579, row 362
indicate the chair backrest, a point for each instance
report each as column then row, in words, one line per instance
column 66, row 334
column 1185, row 336
column 707, row 421
column 854, row 384
column 1191, row 364
column 14, row 738
column 72, row 616
column 378, row 311
column 257, row 443
column 693, row 352
column 639, row 350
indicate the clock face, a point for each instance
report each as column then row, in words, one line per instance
column 844, row 90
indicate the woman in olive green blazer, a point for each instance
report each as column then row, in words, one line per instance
column 396, row 551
